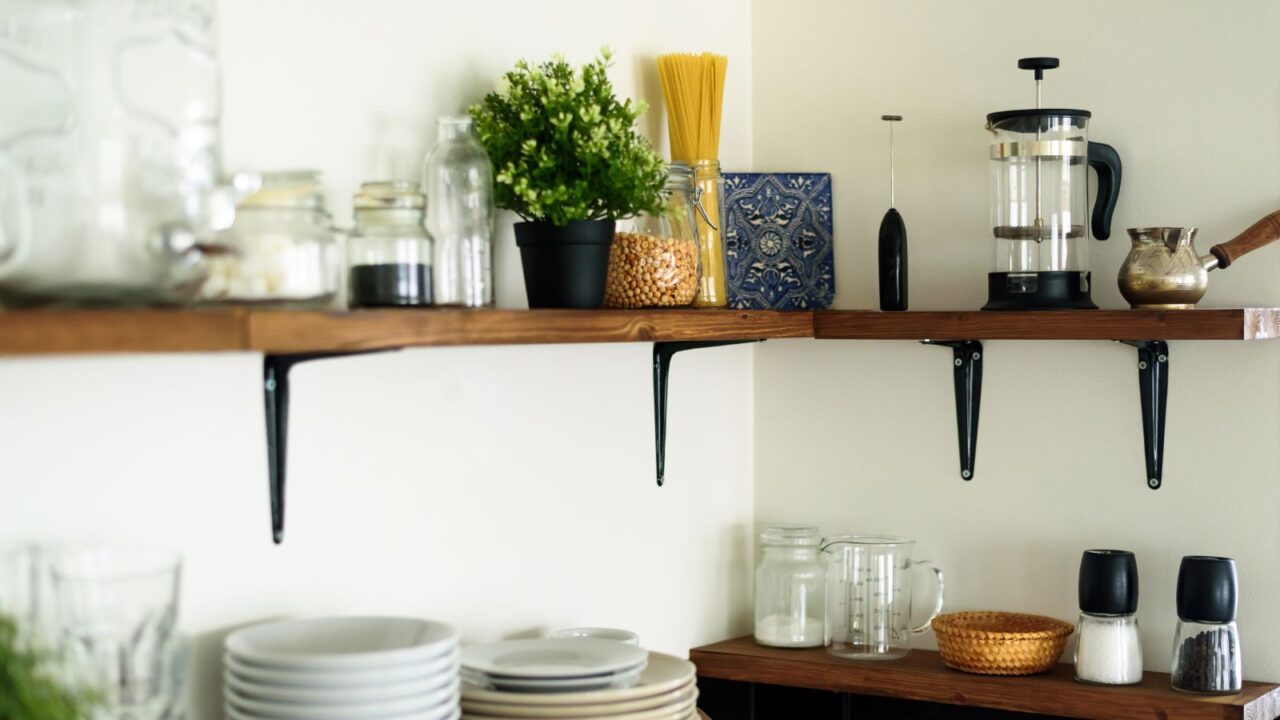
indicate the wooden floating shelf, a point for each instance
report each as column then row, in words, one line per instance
column 44, row 332
column 1233, row 324
column 921, row 676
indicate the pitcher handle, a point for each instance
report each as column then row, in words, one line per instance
column 937, row 606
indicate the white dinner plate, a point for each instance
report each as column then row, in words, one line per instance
column 664, row 673
column 561, row 685
column 669, row 712
column 337, row 695
column 446, row 696
column 443, row 665
column 674, row 698
column 441, row 713
column 341, row 643
column 548, row 659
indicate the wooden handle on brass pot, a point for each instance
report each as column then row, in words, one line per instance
column 1263, row 232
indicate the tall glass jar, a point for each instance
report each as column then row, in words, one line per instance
column 282, row 248
column 713, row 289
column 655, row 264
column 389, row 255
column 459, row 183
column 109, row 149
column 790, row 598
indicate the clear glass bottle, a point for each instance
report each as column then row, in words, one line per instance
column 389, row 255
column 790, row 597
column 656, row 264
column 713, row 289
column 282, row 248
column 1108, row 648
column 458, row 178
column 1206, row 645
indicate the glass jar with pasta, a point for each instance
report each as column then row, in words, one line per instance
column 655, row 262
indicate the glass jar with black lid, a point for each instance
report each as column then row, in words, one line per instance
column 1206, row 646
column 389, row 254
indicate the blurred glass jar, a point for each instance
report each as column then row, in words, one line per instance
column 656, row 264
column 389, row 255
column 109, row 162
column 791, row 586
column 458, row 178
column 282, row 248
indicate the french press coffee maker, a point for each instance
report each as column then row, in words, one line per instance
column 1039, row 178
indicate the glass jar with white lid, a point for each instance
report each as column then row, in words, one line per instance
column 282, row 249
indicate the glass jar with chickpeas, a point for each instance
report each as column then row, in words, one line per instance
column 654, row 263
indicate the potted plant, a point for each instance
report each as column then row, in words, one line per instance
column 27, row 692
column 569, row 162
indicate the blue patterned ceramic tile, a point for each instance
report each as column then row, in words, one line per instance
column 778, row 241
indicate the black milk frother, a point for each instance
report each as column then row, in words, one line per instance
column 893, row 243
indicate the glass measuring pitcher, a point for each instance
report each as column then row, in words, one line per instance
column 869, row 596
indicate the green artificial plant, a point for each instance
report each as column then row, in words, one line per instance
column 564, row 148
column 26, row 690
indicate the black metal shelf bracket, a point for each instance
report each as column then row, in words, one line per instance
column 662, row 353
column 1153, row 386
column 275, row 393
column 967, row 359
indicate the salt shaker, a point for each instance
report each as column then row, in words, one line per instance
column 1206, row 646
column 791, row 588
column 1108, row 650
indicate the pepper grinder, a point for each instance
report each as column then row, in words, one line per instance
column 1108, row 650
column 893, row 243
column 1206, row 646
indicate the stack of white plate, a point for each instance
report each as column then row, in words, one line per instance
column 350, row 668
column 664, row 690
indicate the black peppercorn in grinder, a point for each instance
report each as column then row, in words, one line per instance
column 1206, row 649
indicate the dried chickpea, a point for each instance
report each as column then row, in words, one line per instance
column 651, row 271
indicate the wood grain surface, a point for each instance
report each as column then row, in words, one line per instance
column 921, row 676
column 371, row 329
column 52, row 332
column 1228, row 324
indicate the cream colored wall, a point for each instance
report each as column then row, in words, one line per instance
column 860, row 436
column 508, row 490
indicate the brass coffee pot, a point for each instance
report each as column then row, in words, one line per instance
column 1164, row 272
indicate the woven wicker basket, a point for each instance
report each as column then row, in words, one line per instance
column 1000, row 643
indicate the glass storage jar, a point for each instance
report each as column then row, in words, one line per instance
column 282, row 248
column 655, row 264
column 109, row 149
column 389, row 255
column 790, row 598
column 713, row 288
column 1206, row 645
column 459, row 182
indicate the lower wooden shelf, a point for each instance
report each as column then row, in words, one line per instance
column 921, row 676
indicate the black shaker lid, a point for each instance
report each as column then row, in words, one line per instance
column 1108, row 582
column 1207, row 589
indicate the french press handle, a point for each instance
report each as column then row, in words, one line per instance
column 1105, row 159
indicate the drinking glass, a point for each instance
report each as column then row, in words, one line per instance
column 116, row 618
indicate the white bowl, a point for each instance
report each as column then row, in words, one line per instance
column 341, row 643
column 598, row 633
column 338, row 695
column 445, row 697
column 443, row 666
column 444, row 712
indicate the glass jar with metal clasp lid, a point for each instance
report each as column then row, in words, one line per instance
column 655, row 263
column 282, row 249
column 389, row 254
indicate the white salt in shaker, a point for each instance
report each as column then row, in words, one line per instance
column 1108, row 650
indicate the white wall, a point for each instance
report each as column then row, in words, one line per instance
column 508, row 490
column 860, row 436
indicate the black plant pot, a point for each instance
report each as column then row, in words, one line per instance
column 565, row 266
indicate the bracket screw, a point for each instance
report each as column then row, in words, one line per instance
column 271, row 384
column 977, row 356
column 1163, row 358
column 966, row 474
column 1153, row 483
column 959, row 362
column 1142, row 364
